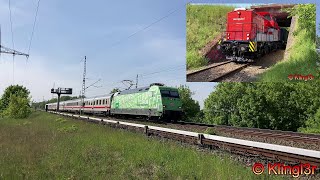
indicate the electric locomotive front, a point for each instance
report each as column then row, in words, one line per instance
column 152, row 102
column 171, row 103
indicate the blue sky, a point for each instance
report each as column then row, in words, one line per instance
column 66, row 31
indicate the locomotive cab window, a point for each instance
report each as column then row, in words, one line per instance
column 267, row 17
column 167, row 93
column 174, row 94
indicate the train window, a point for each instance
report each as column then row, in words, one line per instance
column 174, row 94
column 267, row 17
column 107, row 101
column 165, row 93
column 94, row 102
column 103, row 102
column 100, row 102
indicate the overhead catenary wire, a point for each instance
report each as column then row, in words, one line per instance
column 171, row 73
column 34, row 24
column 148, row 26
column 143, row 29
column 161, row 71
column 11, row 24
column 12, row 39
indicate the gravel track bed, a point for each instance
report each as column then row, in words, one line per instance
column 219, row 132
column 213, row 73
column 250, row 73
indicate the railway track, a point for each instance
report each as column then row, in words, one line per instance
column 295, row 139
column 248, row 148
column 266, row 133
column 215, row 73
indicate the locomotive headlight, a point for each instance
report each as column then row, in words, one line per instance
column 164, row 106
column 239, row 12
column 179, row 107
column 247, row 38
column 248, row 34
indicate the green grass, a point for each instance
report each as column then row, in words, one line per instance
column 302, row 60
column 48, row 146
column 204, row 23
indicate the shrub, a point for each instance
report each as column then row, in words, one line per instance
column 17, row 108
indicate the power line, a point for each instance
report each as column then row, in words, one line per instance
column 12, row 41
column 34, row 24
column 142, row 29
column 11, row 24
column 177, row 71
column 147, row 27
column 164, row 70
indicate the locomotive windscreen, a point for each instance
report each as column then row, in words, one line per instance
column 167, row 93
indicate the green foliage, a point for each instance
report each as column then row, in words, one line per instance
column 312, row 124
column 307, row 18
column 17, row 108
column 60, row 120
column 204, row 23
column 303, row 55
column 26, row 123
column 302, row 60
column 40, row 151
column 190, row 107
column 17, row 90
column 15, row 102
column 283, row 106
column 68, row 129
column 210, row 130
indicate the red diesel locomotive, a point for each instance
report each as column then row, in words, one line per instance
column 251, row 34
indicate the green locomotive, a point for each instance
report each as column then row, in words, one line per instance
column 155, row 102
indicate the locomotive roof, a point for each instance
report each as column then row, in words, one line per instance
column 131, row 91
column 142, row 89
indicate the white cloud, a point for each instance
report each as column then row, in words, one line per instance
column 37, row 76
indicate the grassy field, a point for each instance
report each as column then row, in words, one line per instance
column 48, row 146
column 204, row 23
column 302, row 60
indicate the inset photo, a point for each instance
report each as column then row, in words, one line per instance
column 251, row 42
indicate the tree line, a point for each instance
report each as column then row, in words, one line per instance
column 282, row 106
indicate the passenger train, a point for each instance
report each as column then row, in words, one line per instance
column 153, row 102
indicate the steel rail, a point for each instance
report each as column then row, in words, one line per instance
column 294, row 136
column 271, row 151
